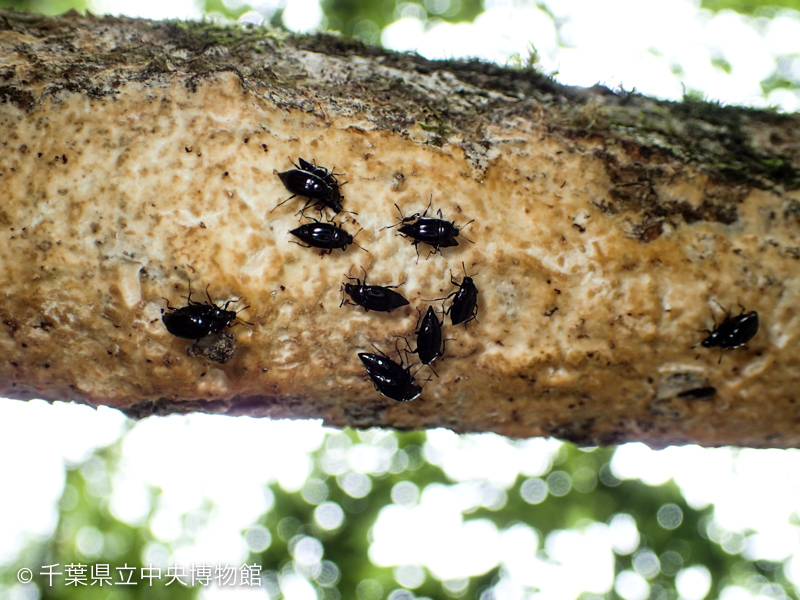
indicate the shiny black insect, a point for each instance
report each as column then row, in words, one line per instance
column 733, row 331
column 328, row 176
column 390, row 379
column 464, row 307
column 324, row 235
column 198, row 319
column 316, row 183
column 429, row 338
column 703, row 393
column 372, row 297
column 438, row 233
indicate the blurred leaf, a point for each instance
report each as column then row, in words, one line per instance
column 786, row 75
column 749, row 7
column 221, row 7
column 722, row 64
column 365, row 19
column 582, row 491
column 45, row 7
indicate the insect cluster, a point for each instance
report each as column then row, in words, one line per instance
column 321, row 190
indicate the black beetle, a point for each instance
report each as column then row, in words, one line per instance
column 464, row 307
column 372, row 297
column 390, row 379
column 429, row 338
column 325, row 235
column 316, row 183
column 438, row 233
column 327, row 176
column 733, row 331
column 703, row 393
column 198, row 319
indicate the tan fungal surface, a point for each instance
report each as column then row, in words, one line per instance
column 589, row 322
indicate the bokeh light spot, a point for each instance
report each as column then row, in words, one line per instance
column 369, row 589
column 329, row 515
column 671, row 562
column 306, row 550
column 646, row 564
column 328, row 574
column 584, row 480
column 733, row 542
column 405, row 493
column 296, row 587
column 409, row 576
column 456, row 587
column 315, row 491
column 670, row 516
column 257, row 538
column 607, row 477
column 302, row 15
column 631, row 586
column 624, row 534
column 533, row 490
column 89, row 541
column 559, row 483
column 355, row 485
column 287, row 528
column 693, row 583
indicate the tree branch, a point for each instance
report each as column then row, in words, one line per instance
column 610, row 230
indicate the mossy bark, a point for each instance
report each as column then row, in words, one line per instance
column 137, row 155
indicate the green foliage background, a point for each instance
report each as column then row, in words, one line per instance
column 595, row 496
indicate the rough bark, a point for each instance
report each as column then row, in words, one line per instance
column 610, row 230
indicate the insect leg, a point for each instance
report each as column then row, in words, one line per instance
column 284, row 202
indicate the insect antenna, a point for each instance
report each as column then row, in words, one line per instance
column 383, row 354
column 189, row 297
column 400, row 222
column 238, row 320
column 445, row 298
column 234, row 301
column 354, row 237
column 467, row 224
column 428, row 379
column 725, row 310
